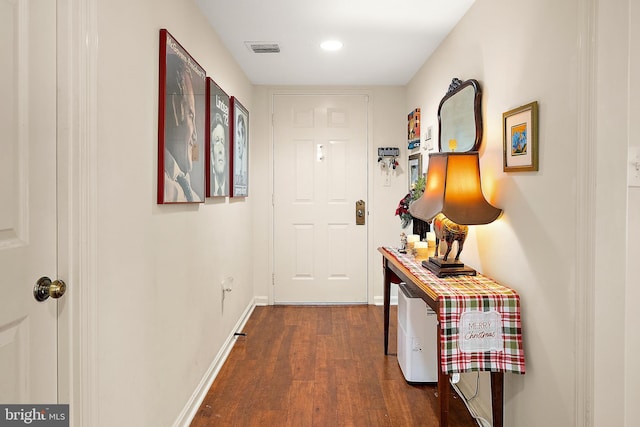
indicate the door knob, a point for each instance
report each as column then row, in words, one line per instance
column 45, row 288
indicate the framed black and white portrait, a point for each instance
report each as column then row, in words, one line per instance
column 240, row 141
column 217, row 141
column 181, row 125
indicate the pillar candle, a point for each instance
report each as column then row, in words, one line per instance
column 421, row 249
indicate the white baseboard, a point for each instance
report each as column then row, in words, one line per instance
column 192, row 406
column 379, row 300
column 261, row 301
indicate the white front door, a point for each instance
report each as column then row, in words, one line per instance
column 320, row 172
column 28, row 353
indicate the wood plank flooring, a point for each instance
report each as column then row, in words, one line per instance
column 319, row 366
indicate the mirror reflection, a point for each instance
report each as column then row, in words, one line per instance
column 459, row 117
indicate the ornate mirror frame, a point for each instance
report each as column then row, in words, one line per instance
column 460, row 117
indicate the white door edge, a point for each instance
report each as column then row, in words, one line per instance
column 77, row 59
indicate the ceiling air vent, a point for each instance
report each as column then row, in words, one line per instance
column 263, row 47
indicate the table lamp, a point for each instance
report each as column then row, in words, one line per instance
column 452, row 199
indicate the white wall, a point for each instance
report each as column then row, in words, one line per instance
column 161, row 317
column 387, row 125
column 521, row 52
column 612, row 130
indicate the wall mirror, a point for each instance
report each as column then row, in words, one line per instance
column 460, row 118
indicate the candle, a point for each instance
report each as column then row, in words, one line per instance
column 431, row 239
column 421, row 250
column 453, row 144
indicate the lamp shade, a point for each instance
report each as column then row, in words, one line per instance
column 453, row 188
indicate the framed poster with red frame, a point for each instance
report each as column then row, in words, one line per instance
column 181, row 124
column 239, row 170
column 217, row 141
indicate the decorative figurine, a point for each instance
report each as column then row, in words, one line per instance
column 449, row 232
column 403, row 242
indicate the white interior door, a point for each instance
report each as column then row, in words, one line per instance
column 28, row 362
column 320, row 172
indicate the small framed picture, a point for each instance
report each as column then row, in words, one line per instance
column 415, row 169
column 413, row 128
column 217, row 140
column 520, row 138
column 240, row 141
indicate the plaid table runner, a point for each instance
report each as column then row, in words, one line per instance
column 471, row 297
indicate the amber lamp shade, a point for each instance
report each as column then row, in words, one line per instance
column 453, row 188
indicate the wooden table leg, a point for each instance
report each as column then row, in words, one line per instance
column 497, row 397
column 387, row 301
column 443, row 385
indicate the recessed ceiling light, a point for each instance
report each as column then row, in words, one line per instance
column 331, row 45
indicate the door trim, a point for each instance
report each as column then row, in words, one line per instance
column 272, row 93
column 77, row 58
column 585, row 274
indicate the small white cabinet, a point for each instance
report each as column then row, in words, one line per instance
column 417, row 334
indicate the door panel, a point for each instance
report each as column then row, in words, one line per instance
column 28, row 361
column 320, row 171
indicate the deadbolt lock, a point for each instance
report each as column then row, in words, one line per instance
column 360, row 212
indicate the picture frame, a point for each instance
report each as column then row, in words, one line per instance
column 413, row 129
column 415, row 169
column 181, row 124
column 520, row 138
column 239, row 168
column 217, row 141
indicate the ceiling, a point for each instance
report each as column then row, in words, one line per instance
column 385, row 42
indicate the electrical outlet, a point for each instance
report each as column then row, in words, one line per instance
column 633, row 165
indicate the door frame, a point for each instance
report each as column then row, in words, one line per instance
column 77, row 80
column 272, row 93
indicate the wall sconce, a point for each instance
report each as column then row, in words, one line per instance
column 453, row 200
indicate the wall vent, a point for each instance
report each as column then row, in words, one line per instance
column 263, row 47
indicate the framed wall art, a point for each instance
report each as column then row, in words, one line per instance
column 415, row 169
column 239, row 170
column 413, row 128
column 520, row 138
column 217, row 141
column 181, row 125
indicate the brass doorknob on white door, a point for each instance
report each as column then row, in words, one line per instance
column 45, row 288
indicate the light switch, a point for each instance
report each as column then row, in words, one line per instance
column 633, row 165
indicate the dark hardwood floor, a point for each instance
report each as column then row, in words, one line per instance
column 319, row 366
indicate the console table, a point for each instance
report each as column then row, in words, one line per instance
column 472, row 345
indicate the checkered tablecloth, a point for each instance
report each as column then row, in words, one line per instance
column 459, row 294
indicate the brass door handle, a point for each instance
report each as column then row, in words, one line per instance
column 45, row 288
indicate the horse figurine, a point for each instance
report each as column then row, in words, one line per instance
column 449, row 231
